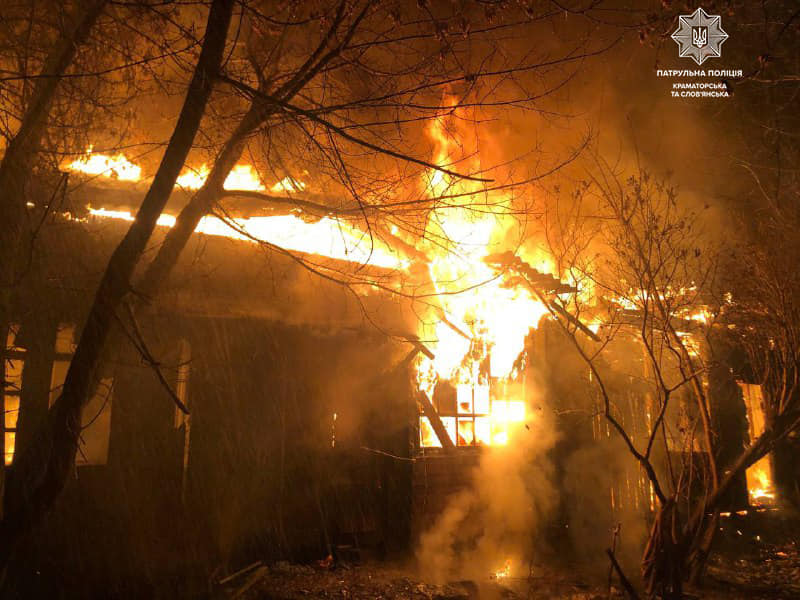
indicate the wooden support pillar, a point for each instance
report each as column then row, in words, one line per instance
column 436, row 422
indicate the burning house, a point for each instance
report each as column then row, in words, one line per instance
column 249, row 416
column 386, row 292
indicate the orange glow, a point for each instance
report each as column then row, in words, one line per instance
column 505, row 417
column 10, row 442
column 115, row 167
column 10, row 394
column 241, row 177
column 760, row 488
column 326, row 237
column 759, row 483
column 288, row 184
column 193, row 179
column 479, row 329
column 505, row 571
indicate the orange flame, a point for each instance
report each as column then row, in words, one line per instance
column 241, row 177
column 326, row 237
column 115, row 167
column 481, row 320
column 760, row 488
column 759, row 483
column 505, row 571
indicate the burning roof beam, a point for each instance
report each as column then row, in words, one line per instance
column 543, row 285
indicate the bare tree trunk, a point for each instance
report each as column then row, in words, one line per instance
column 157, row 272
column 18, row 161
column 199, row 206
column 40, row 473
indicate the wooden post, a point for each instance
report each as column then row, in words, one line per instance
column 436, row 421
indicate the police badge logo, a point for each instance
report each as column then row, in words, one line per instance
column 699, row 36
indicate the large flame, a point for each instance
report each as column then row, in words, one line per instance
column 760, row 488
column 480, row 326
column 115, row 167
column 118, row 166
column 326, row 237
column 241, row 177
column 759, row 483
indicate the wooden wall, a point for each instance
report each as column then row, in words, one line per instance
column 264, row 478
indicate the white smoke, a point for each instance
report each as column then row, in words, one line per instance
column 497, row 517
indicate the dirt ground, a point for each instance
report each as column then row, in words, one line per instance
column 756, row 557
column 293, row 582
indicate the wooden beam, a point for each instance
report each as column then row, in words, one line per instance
column 436, row 421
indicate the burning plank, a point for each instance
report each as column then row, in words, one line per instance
column 436, row 422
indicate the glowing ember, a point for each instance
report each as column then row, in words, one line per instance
column 505, row 571
column 116, row 167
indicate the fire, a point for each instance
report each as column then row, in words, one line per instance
column 702, row 315
column 480, row 326
column 505, row 571
column 288, row 184
column 326, row 237
column 759, row 476
column 163, row 220
column 241, row 177
column 759, row 483
column 193, row 179
column 115, row 167
column 471, row 295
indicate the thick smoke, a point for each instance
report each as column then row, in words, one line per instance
column 496, row 519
